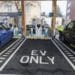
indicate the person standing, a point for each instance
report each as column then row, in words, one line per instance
column 46, row 31
column 15, row 30
column 31, row 31
column 60, row 29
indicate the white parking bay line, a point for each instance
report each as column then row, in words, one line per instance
column 8, row 47
column 2, row 58
column 7, row 53
column 69, row 61
column 4, row 55
column 1, row 61
column 68, row 47
column 5, row 63
column 66, row 51
column 70, row 55
column 74, row 60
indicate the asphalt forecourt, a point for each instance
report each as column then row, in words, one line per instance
column 8, row 53
column 66, row 51
column 38, row 57
column 8, row 44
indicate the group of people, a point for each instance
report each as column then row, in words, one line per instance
column 39, row 31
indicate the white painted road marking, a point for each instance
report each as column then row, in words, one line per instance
column 69, row 61
column 1, row 61
column 4, row 55
column 68, row 48
column 8, row 47
column 5, row 63
column 7, row 53
column 2, row 58
column 66, row 51
column 74, row 60
column 70, row 55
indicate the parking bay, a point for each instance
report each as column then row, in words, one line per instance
column 8, row 44
column 33, row 48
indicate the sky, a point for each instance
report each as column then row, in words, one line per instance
column 46, row 6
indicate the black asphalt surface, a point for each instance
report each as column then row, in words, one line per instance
column 9, row 43
column 60, row 66
column 66, row 43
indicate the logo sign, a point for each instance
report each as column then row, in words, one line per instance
column 36, row 58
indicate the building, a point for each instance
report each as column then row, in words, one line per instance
column 70, row 11
column 32, row 10
column 8, row 12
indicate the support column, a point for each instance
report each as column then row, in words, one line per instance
column 23, row 18
column 54, row 16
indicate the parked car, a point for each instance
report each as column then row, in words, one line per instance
column 6, row 35
column 68, row 34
